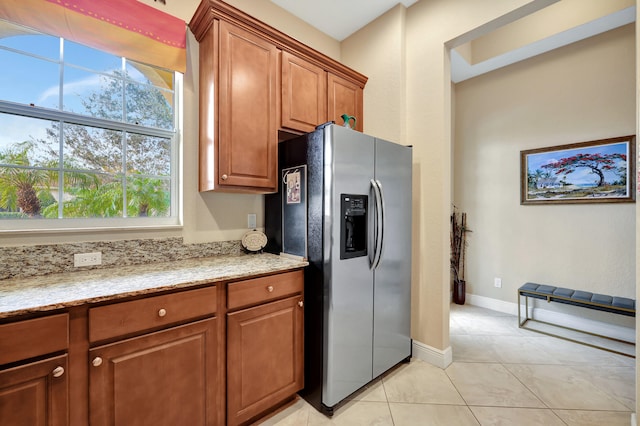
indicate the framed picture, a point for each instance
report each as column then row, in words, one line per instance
column 601, row 171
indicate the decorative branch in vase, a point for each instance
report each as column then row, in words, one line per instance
column 459, row 232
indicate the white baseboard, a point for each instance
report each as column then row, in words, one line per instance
column 493, row 304
column 437, row 357
column 566, row 320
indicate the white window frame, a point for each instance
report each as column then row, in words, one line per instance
column 174, row 221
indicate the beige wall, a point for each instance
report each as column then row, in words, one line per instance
column 430, row 24
column 582, row 92
column 385, row 93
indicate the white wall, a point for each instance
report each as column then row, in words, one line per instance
column 582, row 92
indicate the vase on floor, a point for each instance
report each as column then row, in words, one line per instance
column 459, row 291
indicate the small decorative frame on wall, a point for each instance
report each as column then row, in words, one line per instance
column 600, row 171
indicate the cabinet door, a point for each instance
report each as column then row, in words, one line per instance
column 345, row 98
column 264, row 357
column 304, row 94
column 163, row 378
column 35, row 394
column 248, row 116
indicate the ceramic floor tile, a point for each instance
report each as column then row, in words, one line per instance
column 503, row 349
column 355, row 413
column 492, row 326
column 589, row 354
column 296, row 414
column 501, row 416
column 490, row 384
column 468, row 348
column 373, row 392
column 431, row 415
column 420, row 382
column 565, row 387
column 594, row 418
column 507, row 376
column 618, row 382
column 472, row 312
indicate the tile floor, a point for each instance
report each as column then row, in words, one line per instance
column 500, row 375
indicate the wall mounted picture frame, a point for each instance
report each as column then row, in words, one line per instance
column 599, row 171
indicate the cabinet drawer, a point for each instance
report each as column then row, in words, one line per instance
column 35, row 337
column 139, row 315
column 260, row 290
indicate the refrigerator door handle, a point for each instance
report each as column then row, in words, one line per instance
column 379, row 222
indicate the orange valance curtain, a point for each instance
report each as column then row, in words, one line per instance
column 121, row 27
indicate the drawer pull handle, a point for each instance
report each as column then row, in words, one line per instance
column 162, row 312
column 224, row 177
column 58, row 371
column 97, row 361
column 301, row 303
column 270, row 289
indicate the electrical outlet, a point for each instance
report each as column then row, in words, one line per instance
column 497, row 282
column 251, row 221
column 87, row 259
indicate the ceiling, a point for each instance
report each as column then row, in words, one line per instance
column 578, row 19
column 339, row 18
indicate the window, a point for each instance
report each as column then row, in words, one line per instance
column 84, row 135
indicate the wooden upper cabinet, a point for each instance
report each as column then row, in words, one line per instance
column 254, row 81
column 345, row 97
column 304, row 94
column 248, row 123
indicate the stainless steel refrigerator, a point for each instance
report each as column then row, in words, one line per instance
column 345, row 205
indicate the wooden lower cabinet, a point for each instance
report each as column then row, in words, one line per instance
column 264, row 357
column 161, row 360
column 164, row 378
column 35, row 394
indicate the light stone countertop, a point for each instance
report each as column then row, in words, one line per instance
column 20, row 296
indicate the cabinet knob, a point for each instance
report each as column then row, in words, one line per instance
column 58, row 371
column 270, row 289
column 162, row 312
column 300, row 303
column 97, row 361
column 224, row 177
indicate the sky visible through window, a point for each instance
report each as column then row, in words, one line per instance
column 35, row 80
column 83, row 133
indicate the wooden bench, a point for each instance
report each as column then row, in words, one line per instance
column 584, row 299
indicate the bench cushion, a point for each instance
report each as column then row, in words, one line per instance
column 586, row 299
column 623, row 302
column 546, row 289
column 582, row 295
column 563, row 292
column 602, row 299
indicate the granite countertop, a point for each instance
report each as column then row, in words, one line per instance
column 20, row 296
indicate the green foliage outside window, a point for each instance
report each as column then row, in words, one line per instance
column 110, row 158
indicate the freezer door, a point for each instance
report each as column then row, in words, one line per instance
column 348, row 312
column 392, row 294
